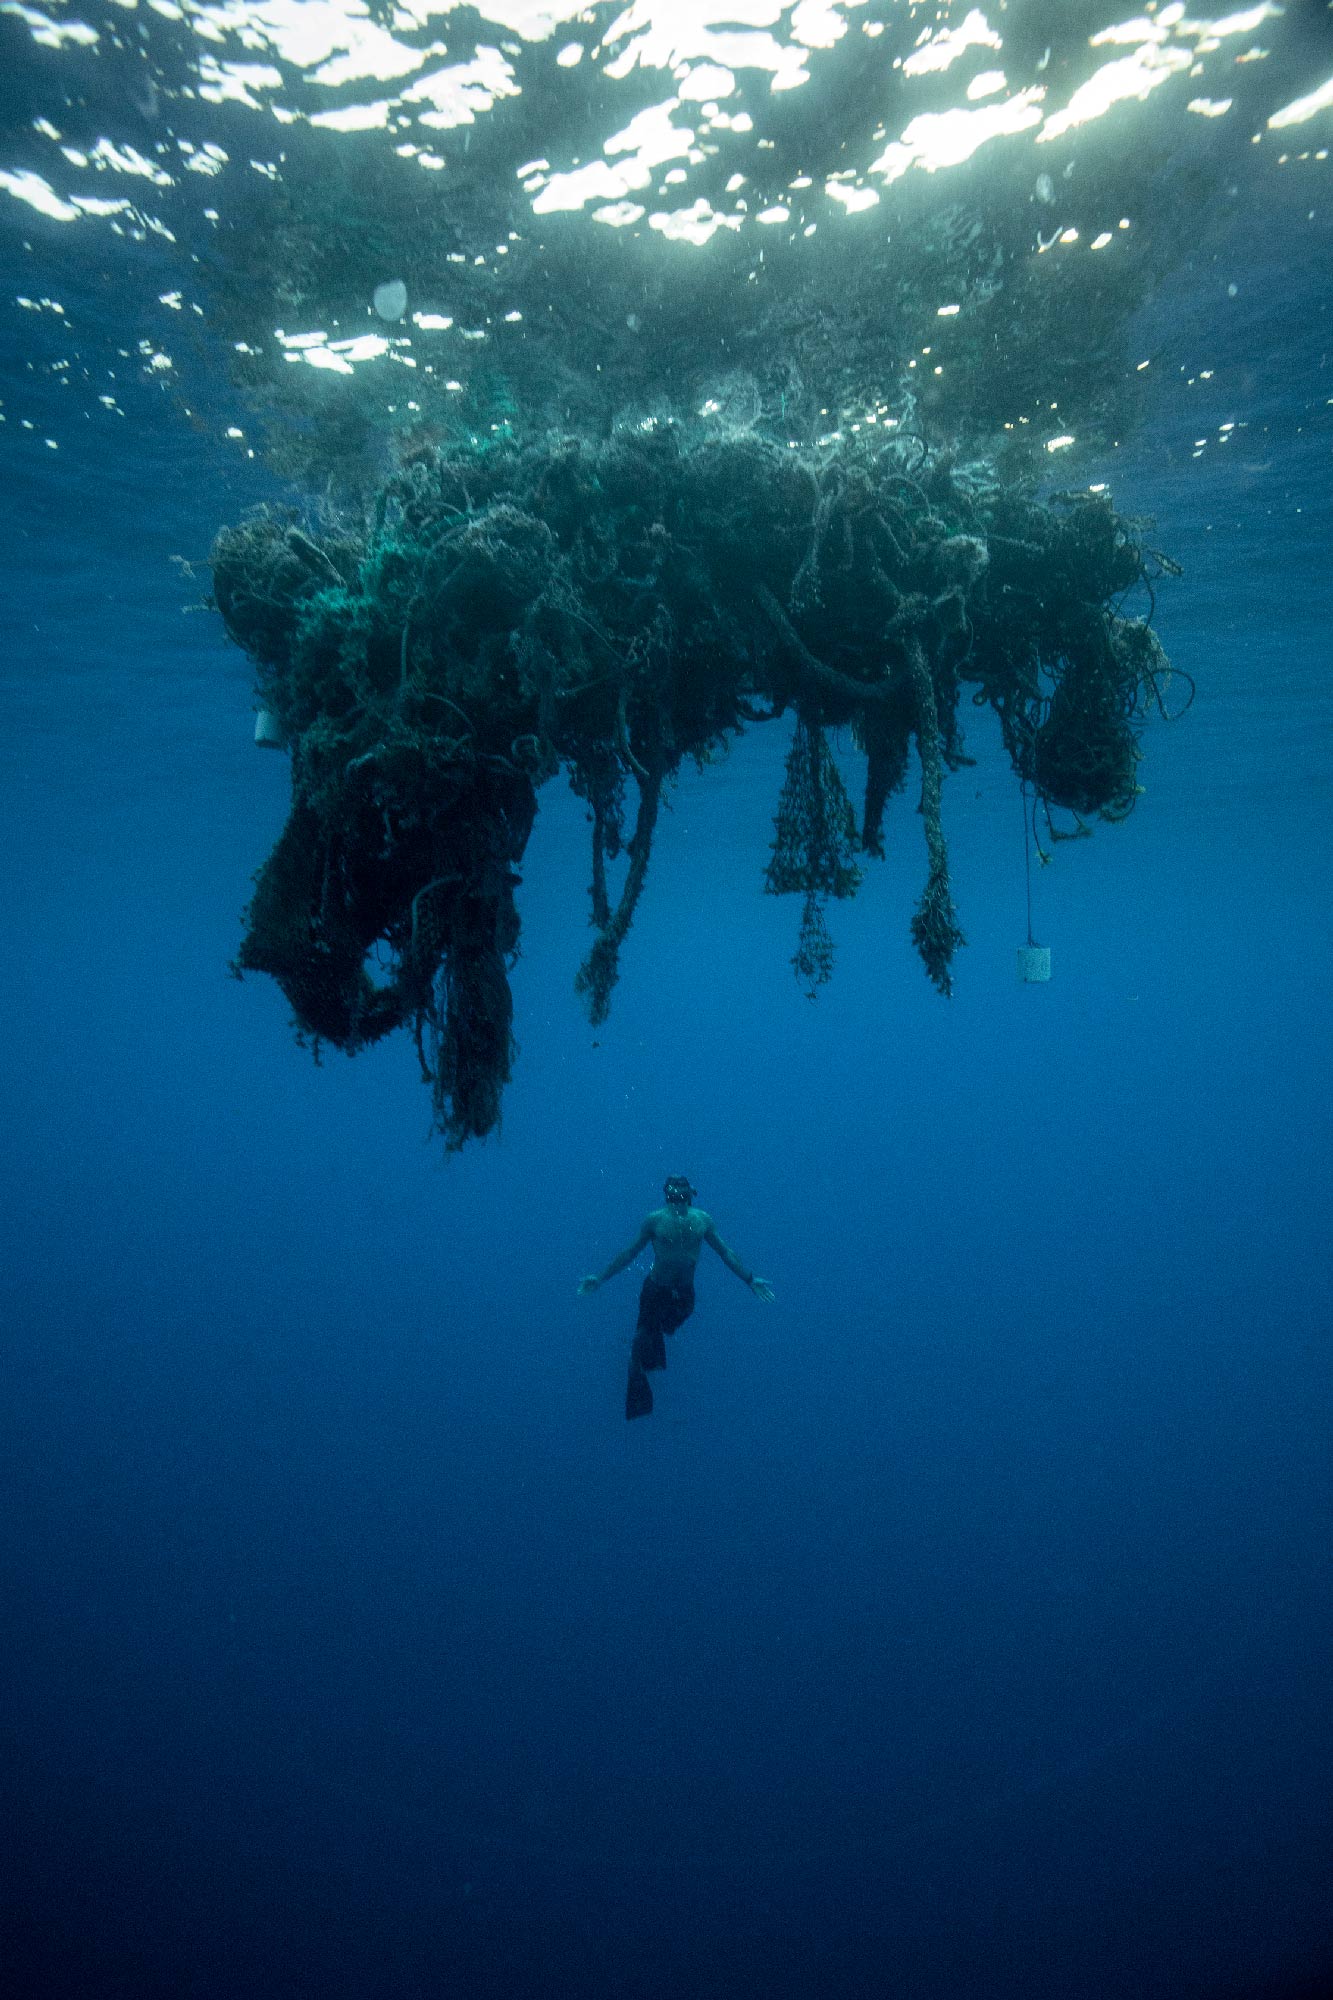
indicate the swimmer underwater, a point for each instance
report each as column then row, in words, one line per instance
column 677, row 1233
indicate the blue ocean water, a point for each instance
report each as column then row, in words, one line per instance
column 960, row 1624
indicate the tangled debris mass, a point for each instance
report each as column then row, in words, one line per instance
column 507, row 611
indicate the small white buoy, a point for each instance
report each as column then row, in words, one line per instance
column 391, row 299
column 268, row 731
column 1034, row 963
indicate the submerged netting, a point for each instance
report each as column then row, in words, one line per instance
column 610, row 609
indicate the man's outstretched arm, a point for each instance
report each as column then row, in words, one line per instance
column 759, row 1286
column 619, row 1263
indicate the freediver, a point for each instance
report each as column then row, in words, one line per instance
column 677, row 1233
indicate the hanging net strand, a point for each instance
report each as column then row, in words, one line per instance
column 814, row 846
column 601, row 969
column 935, row 930
column 504, row 611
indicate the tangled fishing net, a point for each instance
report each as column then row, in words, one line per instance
column 608, row 609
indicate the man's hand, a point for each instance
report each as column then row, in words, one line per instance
column 587, row 1285
column 762, row 1290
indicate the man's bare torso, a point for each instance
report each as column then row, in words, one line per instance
column 677, row 1236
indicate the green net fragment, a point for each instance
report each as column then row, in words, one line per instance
column 502, row 613
column 814, row 847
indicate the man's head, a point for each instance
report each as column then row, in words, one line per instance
column 678, row 1191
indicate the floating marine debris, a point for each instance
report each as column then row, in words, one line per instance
column 504, row 612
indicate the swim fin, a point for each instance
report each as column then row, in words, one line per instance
column 649, row 1347
column 638, row 1394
